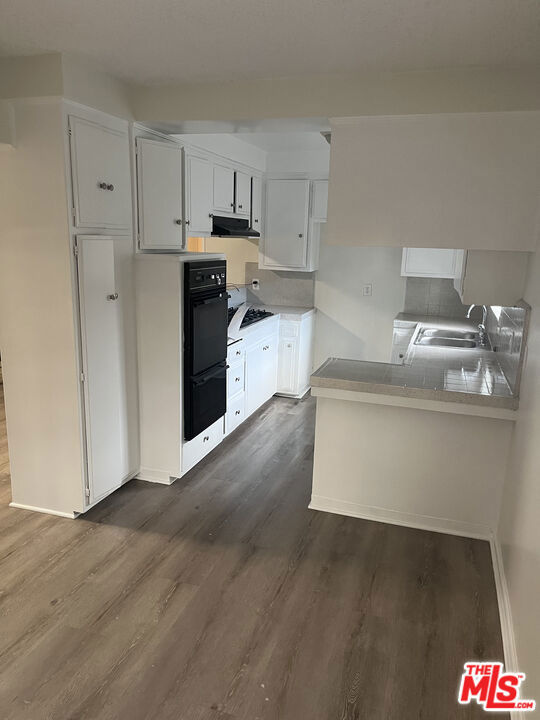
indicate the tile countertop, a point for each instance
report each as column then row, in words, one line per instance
column 429, row 373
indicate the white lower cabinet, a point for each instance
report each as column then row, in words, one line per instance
column 261, row 372
column 401, row 338
column 235, row 379
column 194, row 450
column 295, row 356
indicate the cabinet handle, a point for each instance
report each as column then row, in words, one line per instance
column 238, row 352
column 178, row 221
column 232, row 205
column 256, row 220
column 206, row 438
column 210, row 215
column 112, row 296
column 187, row 222
column 237, row 412
column 236, row 379
column 102, row 185
column 266, row 347
column 240, row 206
column 110, row 187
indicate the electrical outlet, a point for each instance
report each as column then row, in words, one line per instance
column 367, row 290
column 255, row 284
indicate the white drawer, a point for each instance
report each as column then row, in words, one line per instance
column 194, row 450
column 236, row 413
column 235, row 379
column 236, row 352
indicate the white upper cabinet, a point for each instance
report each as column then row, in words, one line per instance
column 101, row 174
column 160, row 193
column 242, row 193
column 285, row 246
column 199, row 182
column 256, row 203
column 320, row 200
column 431, row 263
column 223, row 189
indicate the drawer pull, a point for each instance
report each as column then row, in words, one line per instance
column 236, row 379
column 238, row 352
column 206, row 438
column 237, row 412
column 266, row 347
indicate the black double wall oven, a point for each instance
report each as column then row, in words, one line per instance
column 205, row 344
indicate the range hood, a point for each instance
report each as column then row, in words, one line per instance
column 232, row 227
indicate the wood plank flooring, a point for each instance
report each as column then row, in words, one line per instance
column 223, row 597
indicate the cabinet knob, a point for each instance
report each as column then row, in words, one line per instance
column 110, row 187
column 266, row 347
column 232, row 205
column 300, row 235
column 206, row 438
column 187, row 222
column 178, row 221
column 236, row 379
column 112, row 296
column 210, row 215
column 240, row 206
column 256, row 220
column 237, row 412
column 238, row 352
column 102, row 185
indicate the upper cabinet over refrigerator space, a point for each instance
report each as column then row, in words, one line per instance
column 100, row 173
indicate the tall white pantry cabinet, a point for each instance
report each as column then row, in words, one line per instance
column 99, row 387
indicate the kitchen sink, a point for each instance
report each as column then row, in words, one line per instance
column 457, row 334
column 445, row 342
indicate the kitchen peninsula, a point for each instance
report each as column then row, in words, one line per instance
column 388, row 436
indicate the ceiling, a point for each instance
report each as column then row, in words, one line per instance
column 285, row 141
column 166, row 41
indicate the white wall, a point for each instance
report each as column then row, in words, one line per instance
column 227, row 145
column 37, row 334
column 519, row 530
column 469, row 180
column 348, row 324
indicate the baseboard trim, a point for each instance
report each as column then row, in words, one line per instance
column 505, row 615
column 394, row 517
column 46, row 511
column 160, row 477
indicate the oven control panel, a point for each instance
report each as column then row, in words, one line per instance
column 204, row 275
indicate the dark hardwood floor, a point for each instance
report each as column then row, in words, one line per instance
column 224, row 597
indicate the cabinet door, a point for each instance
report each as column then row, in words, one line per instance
column 223, row 184
column 288, row 366
column 319, row 200
column 101, row 175
column 287, row 204
column 261, row 373
column 106, row 426
column 199, row 190
column 242, row 193
column 431, row 262
column 159, row 188
column 256, row 203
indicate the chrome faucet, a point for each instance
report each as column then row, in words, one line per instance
column 481, row 326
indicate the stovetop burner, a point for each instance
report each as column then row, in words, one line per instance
column 253, row 315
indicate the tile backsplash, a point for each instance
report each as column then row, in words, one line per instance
column 295, row 289
column 507, row 329
column 433, row 296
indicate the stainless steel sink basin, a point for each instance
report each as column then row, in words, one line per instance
column 457, row 334
column 446, row 342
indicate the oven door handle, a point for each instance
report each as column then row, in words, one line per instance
column 209, row 301
column 219, row 369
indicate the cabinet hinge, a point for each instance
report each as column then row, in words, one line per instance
column 69, row 131
column 76, row 250
column 83, row 377
column 87, row 492
column 73, row 214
